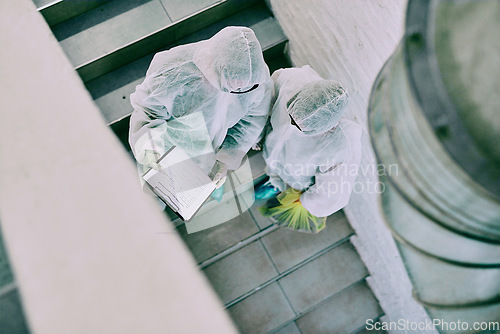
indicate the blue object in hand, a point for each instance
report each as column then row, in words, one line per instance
column 218, row 193
column 266, row 191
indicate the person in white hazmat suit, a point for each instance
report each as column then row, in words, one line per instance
column 311, row 151
column 211, row 98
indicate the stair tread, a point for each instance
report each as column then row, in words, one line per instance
column 250, row 17
column 109, row 89
column 262, row 311
column 109, row 27
column 57, row 11
column 118, row 32
column 357, row 304
column 325, row 276
column 179, row 9
column 287, row 248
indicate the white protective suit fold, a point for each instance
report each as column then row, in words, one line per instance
column 185, row 100
column 321, row 161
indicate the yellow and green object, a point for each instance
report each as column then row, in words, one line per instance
column 287, row 211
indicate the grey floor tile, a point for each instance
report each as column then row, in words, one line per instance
column 240, row 272
column 108, row 27
column 257, row 163
column 288, row 329
column 261, row 221
column 262, row 311
column 343, row 313
column 177, row 9
column 372, row 329
column 209, row 242
column 288, row 248
column 323, row 277
column 11, row 314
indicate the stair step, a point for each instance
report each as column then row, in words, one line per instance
column 263, row 311
column 118, row 32
column 317, row 289
column 326, row 276
column 102, row 31
column 112, row 90
column 57, row 11
column 374, row 327
column 345, row 312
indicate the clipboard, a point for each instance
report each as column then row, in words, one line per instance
column 180, row 183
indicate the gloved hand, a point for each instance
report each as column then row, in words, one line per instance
column 151, row 160
column 257, row 147
column 218, row 173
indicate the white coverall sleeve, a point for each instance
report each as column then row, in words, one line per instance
column 148, row 120
column 145, row 134
column 332, row 189
column 244, row 134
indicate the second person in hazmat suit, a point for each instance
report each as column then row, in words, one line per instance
column 211, row 98
column 312, row 153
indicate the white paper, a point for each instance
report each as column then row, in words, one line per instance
column 180, row 183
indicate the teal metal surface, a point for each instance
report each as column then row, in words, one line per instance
column 444, row 216
column 358, row 304
column 451, row 54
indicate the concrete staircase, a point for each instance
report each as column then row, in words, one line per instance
column 273, row 280
column 270, row 279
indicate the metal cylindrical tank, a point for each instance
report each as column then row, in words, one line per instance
column 433, row 113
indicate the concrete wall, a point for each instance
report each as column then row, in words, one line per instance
column 349, row 41
column 91, row 254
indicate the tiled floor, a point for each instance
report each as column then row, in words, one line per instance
column 266, row 309
column 281, row 281
column 343, row 313
column 208, row 243
column 328, row 274
column 241, row 272
column 288, row 248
